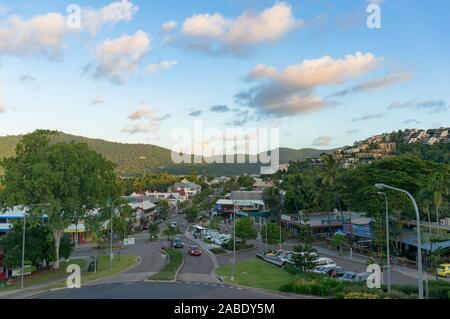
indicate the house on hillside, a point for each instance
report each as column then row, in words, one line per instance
column 191, row 189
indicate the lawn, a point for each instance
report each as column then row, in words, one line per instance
column 169, row 272
column 44, row 276
column 119, row 264
column 256, row 273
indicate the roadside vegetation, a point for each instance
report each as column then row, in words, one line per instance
column 170, row 270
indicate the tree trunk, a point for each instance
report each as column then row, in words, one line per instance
column 438, row 223
column 57, row 237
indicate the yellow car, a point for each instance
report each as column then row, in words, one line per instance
column 444, row 270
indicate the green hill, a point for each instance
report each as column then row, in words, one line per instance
column 134, row 159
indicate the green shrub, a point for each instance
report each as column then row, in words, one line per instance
column 217, row 250
column 360, row 295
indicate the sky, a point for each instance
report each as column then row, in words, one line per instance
column 138, row 71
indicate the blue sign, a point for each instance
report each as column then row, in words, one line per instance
column 357, row 230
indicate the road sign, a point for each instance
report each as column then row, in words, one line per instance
column 128, row 241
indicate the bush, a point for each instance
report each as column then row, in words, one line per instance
column 65, row 247
column 360, row 295
column 318, row 287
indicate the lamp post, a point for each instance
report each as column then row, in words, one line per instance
column 419, row 237
column 111, row 235
column 234, row 241
column 23, row 249
column 388, row 262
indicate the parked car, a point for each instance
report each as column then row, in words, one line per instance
column 222, row 239
column 287, row 257
column 324, row 261
column 173, row 224
column 177, row 243
column 323, row 269
column 348, row 276
column 275, row 253
column 444, row 270
column 336, row 272
column 211, row 234
column 195, row 251
column 362, row 277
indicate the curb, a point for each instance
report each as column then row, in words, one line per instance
column 176, row 273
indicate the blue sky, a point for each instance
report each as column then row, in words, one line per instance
column 311, row 68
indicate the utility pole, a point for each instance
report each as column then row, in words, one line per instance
column 23, row 249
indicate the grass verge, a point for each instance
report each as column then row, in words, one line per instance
column 119, row 264
column 256, row 273
column 169, row 272
column 44, row 276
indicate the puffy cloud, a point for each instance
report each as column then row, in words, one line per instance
column 324, row 140
column 161, row 66
column 118, row 59
column 42, row 34
column 216, row 33
column 291, row 91
column 119, row 11
column 169, row 26
column 219, row 108
column 149, row 121
column 369, row 117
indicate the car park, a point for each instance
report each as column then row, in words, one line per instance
column 195, row 251
column 177, row 243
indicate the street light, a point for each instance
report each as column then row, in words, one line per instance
column 387, row 244
column 419, row 237
column 111, row 235
column 234, row 240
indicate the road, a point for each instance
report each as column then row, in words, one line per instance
column 149, row 290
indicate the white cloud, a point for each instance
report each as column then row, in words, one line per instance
column 169, row 26
column 204, row 31
column 119, row 11
column 43, row 34
column 291, row 91
column 161, row 66
column 324, row 140
column 118, row 59
column 149, row 121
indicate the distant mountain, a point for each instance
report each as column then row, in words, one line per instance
column 135, row 159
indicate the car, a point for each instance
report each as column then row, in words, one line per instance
column 444, row 270
column 222, row 239
column 173, row 224
column 323, row 261
column 210, row 234
column 323, row 269
column 336, row 272
column 348, row 276
column 275, row 253
column 287, row 257
column 177, row 243
column 362, row 277
column 195, row 251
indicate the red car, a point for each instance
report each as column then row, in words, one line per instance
column 195, row 251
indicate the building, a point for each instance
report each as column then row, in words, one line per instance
column 261, row 185
column 191, row 189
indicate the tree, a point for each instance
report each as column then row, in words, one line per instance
column 191, row 214
column 215, row 222
column 39, row 244
column 439, row 188
column 65, row 247
column 163, row 208
column 272, row 199
column 271, row 231
column 153, row 231
column 63, row 181
column 305, row 258
column 245, row 229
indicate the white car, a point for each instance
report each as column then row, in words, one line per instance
column 323, row 269
column 323, row 261
column 222, row 239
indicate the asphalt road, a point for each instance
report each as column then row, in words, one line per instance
column 147, row 290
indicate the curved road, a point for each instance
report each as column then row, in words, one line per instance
column 147, row 290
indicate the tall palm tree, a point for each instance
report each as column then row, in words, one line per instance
column 439, row 187
column 330, row 173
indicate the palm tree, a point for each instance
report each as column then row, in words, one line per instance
column 330, row 173
column 439, row 188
